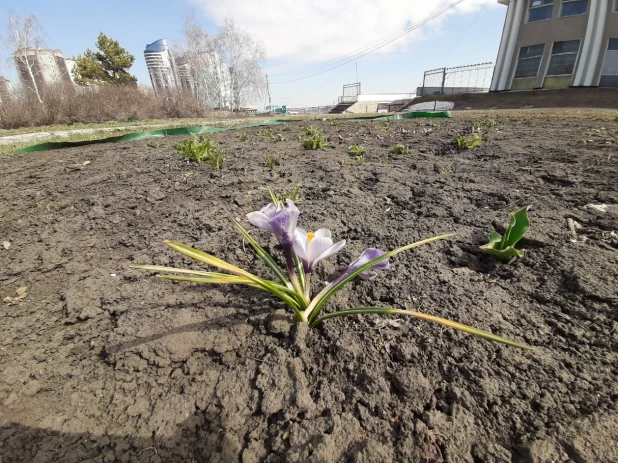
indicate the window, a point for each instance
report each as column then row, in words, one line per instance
column 563, row 57
column 616, row 6
column 574, row 7
column 529, row 61
column 609, row 73
column 540, row 10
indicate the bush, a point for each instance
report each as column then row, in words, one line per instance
column 64, row 104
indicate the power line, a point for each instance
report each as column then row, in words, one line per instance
column 377, row 45
column 315, row 88
column 358, row 50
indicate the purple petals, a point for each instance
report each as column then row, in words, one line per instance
column 367, row 256
column 280, row 220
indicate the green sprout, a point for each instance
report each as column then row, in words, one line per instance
column 356, row 150
column 466, row 143
column 271, row 161
column 200, row 149
column 242, row 136
column 280, row 198
column 279, row 137
column 217, row 159
column 476, row 126
column 385, row 160
column 311, row 131
column 334, row 123
column 286, row 128
column 265, row 133
column 399, row 149
column 503, row 247
column 385, row 127
column 314, row 142
column 302, row 251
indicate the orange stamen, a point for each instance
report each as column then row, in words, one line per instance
column 310, row 237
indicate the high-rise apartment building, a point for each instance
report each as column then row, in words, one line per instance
column 558, row 43
column 43, row 67
column 161, row 66
column 5, row 89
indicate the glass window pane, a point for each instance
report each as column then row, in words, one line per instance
column 534, row 3
column 539, row 14
column 531, row 51
column 616, row 6
column 527, row 68
column 613, row 44
column 574, row 8
column 562, row 64
column 610, row 65
column 569, row 46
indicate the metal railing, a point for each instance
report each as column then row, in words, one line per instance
column 474, row 78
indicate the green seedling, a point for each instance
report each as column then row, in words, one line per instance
column 385, row 127
column 356, row 150
column 265, row 133
column 293, row 194
column 311, row 131
column 242, row 136
column 385, row 161
column 217, row 159
column 155, row 145
column 279, row 137
column 399, row 149
column 286, row 128
column 314, row 142
column 271, row 161
column 198, row 149
column 478, row 125
column 467, row 143
column 503, row 247
column 335, row 123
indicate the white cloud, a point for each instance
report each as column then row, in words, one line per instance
column 317, row 30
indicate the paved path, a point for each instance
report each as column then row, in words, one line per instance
column 45, row 136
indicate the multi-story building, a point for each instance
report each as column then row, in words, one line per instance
column 43, row 67
column 5, row 89
column 161, row 66
column 557, row 44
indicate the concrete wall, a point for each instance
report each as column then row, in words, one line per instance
column 610, row 32
column 363, row 107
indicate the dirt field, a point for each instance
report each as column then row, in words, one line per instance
column 102, row 363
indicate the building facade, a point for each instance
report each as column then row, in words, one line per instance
column 5, row 89
column 41, row 67
column 161, row 66
column 556, row 44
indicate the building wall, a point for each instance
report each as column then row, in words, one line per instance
column 161, row 66
column 549, row 31
column 48, row 67
column 5, row 89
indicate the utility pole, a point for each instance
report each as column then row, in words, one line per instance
column 268, row 90
column 356, row 64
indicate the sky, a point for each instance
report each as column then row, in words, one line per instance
column 301, row 37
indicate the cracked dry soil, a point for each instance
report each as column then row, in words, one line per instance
column 101, row 363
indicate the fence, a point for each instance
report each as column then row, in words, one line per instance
column 350, row 93
column 310, row 110
column 475, row 78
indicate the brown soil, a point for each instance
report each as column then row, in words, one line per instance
column 559, row 98
column 102, row 363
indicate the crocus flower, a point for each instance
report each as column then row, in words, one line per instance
column 367, row 256
column 313, row 247
column 280, row 220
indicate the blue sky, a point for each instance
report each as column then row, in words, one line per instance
column 296, row 34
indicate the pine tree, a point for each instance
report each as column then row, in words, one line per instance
column 109, row 65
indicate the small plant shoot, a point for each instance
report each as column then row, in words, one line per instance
column 302, row 252
column 503, row 247
column 202, row 149
column 467, row 143
column 314, row 142
column 356, row 150
column 399, row 149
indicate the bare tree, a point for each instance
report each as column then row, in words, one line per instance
column 24, row 36
column 245, row 57
column 199, row 67
column 224, row 70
